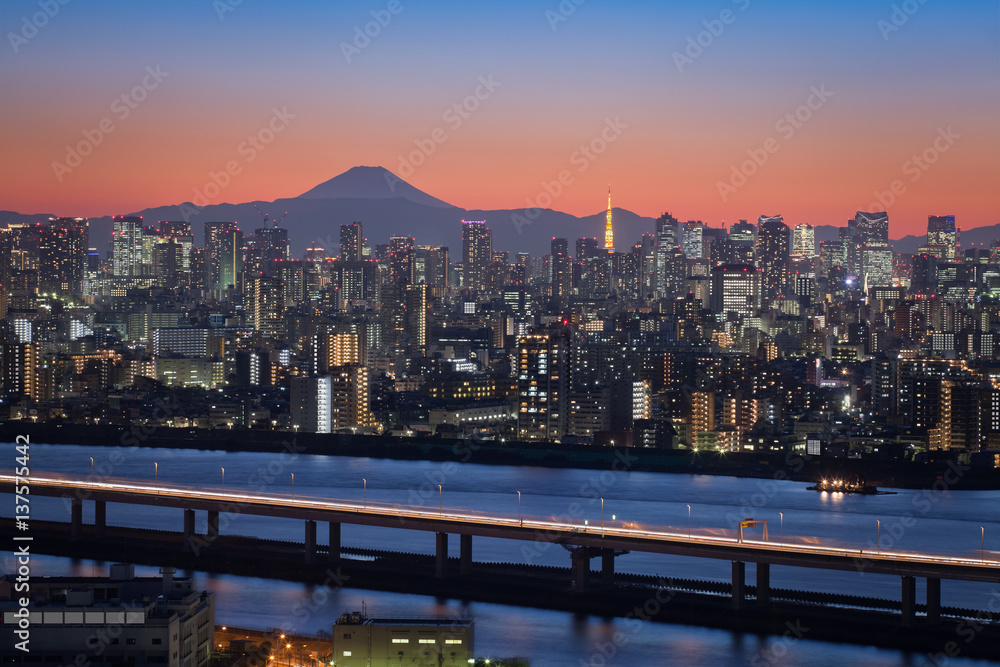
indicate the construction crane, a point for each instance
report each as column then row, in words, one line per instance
column 267, row 216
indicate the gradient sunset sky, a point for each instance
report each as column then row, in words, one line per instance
column 684, row 129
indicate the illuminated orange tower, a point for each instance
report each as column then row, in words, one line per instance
column 609, row 232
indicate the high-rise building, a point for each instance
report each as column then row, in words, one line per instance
column 691, row 241
column 562, row 268
column 772, row 255
column 62, row 251
column 670, row 269
column 477, row 253
column 876, row 264
column 230, row 259
column 267, row 305
column 872, row 227
column 350, row 397
column 19, row 363
column 351, row 242
column 542, row 382
column 803, row 242
column 127, row 246
column 311, row 404
column 432, row 267
column 271, row 244
column 214, row 233
column 736, row 289
column 609, row 232
column 416, row 316
column 402, row 262
column 941, row 231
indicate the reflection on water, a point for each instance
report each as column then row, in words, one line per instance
column 940, row 523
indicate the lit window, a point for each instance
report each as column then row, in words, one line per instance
column 400, row 640
column 347, row 654
column 426, row 641
column 452, row 641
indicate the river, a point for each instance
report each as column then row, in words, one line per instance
column 932, row 520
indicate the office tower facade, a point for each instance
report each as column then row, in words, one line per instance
column 772, row 255
column 872, row 227
column 941, row 231
column 691, row 240
column 876, row 264
column 561, row 267
column 670, row 267
column 432, row 267
column 736, row 289
column 477, row 253
column 351, row 242
column 272, row 246
column 230, row 260
column 417, row 306
column 127, row 246
column 542, row 384
column 803, row 242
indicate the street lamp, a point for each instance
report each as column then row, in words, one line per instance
column 519, row 519
column 782, row 538
column 223, row 480
column 689, row 521
column 982, row 543
column 602, row 513
column 156, row 472
column 440, row 500
column 293, row 486
column 878, row 545
column 365, row 480
column 91, row 466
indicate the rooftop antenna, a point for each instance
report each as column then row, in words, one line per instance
column 266, row 217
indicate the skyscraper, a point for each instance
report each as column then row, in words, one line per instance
column 609, row 232
column 803, row 242
column 351, row 241
column 562, row 270
column 772, row 254
column 477, row 253
column 736, row 289
column 126, row 246
column 668, row 266
column 267, row 305
column 402, row 262
column 213, row 253
column 692, row 239
column 230, row 259
column 62, row 252
column 872, row 227
column 941, row 231
column 542, row 383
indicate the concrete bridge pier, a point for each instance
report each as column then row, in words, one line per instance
column 441, row 555
column 581, row 569
column 334, row 548
column 76, row 512
column 763, row 584
column 739, row 585
column 213, row 524
column 933, row 600
column 310, row 542
column 465, row 555
column 608, row 567
column 909, row 602
column 188, row 530
column 100, row 518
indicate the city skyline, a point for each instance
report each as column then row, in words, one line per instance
column 699, row 129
